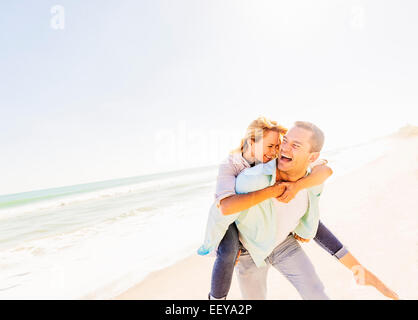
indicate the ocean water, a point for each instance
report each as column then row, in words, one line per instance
column 96, row 240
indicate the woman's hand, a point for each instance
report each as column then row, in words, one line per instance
column 278, row 189
column 367, row 278
column 292, row 188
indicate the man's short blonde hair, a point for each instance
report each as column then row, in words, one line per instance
column 317, row 138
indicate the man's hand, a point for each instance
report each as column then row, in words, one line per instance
column 292, row 188
column 299, row 238
column 367, row 278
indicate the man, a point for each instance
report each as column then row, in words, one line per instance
column 300, row 148
column 265, row 227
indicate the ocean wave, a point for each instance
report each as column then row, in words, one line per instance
column 45, row 202
column 119, row 250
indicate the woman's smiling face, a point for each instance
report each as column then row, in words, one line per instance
column 266, row 148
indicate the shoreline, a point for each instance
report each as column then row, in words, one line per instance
column 369, row 210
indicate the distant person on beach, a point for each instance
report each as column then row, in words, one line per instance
column 268, row 229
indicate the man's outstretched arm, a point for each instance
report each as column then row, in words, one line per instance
column 329, row 242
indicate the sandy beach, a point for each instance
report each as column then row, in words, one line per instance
column 372, row 210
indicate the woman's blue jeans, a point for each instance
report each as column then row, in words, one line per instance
column 224, row 264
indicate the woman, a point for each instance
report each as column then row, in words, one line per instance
column 260, row 145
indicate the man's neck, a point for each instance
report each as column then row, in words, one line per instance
column 290, row 175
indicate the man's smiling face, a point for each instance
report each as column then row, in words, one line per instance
column 295, row 151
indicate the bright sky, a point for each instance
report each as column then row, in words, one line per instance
column 132, row 87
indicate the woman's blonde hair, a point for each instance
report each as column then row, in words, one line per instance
column 257, row 130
